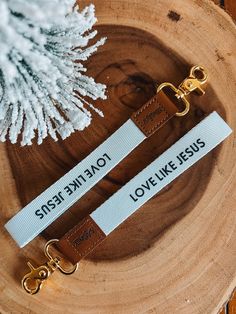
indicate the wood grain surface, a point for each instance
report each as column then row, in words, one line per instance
column 177, row 254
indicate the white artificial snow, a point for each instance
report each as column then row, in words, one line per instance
column 40, row 40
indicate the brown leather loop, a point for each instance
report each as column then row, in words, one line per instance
column 81, row 240
column 154, row 114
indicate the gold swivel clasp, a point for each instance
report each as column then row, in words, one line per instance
column 193, row 83
column 33, row 281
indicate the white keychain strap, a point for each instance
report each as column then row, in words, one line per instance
column 172, row 163
column 84, row 237
column 54, row 201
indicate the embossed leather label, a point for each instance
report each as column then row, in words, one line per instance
column 81, row 240
column 150, row 117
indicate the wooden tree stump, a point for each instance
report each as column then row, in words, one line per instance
column 177, row 254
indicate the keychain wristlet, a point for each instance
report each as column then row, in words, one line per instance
column 84, row 237
column 54, row 201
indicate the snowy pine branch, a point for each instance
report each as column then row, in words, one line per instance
column 40, row 41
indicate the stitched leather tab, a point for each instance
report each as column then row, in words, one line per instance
column 154, row 114
column 81, row 240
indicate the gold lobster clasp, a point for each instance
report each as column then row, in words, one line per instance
column 194, row 82
column 33, row 281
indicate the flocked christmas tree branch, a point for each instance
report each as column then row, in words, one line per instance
column 40, row 41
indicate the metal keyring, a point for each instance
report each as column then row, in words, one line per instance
column 182, row 97
column 190, row 84
column 50, row 257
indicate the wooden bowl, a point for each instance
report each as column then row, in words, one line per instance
column 177, row 254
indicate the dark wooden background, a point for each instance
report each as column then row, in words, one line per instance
column 229, row 5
